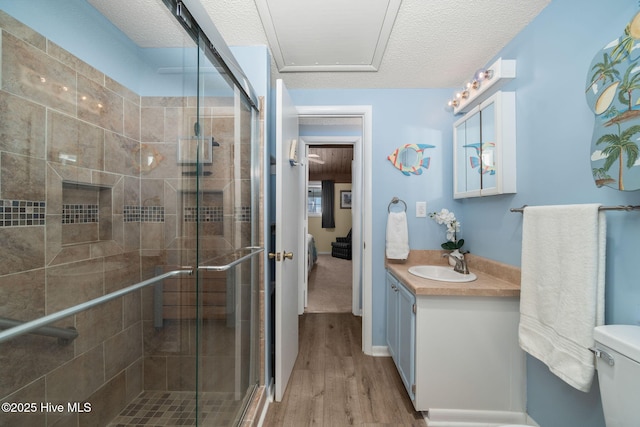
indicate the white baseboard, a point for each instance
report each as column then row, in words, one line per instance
column 475, row 418
column 380, row 351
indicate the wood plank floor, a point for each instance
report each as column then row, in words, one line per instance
column 335, row 384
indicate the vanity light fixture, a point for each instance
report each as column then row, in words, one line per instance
column 477, row 89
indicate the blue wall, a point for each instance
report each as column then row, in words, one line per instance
column 411, row 116
column 554, row 128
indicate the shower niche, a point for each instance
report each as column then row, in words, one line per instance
column 86, row 214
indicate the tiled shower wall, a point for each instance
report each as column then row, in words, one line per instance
column 62, row 121
column 64, row 125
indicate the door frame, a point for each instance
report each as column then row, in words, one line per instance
column 356, row 212
column 365, row 112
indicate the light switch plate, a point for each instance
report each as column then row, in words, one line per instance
column 421, row 209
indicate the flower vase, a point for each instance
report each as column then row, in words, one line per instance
column 456, row 253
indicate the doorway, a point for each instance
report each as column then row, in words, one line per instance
column 330, row 285
column 325, row 118
column 289, row 187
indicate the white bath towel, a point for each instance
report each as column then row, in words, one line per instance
column 562, row 293
column 397, row 236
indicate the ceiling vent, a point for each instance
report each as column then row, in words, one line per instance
column 330, row 35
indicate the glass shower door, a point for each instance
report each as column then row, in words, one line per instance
column 227, row 232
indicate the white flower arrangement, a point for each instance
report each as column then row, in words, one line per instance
column 453, row 228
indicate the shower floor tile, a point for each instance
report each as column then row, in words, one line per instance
column 178, row 408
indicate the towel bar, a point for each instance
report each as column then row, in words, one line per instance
column 602, row 208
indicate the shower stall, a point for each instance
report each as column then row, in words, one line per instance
column 129, row 219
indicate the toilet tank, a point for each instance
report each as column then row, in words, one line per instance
column 619, row 376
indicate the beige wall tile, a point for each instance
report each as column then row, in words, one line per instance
column 132, row 120
column 75, row 139
column 32, row 74
column 21, row 31
column 134, row 379
column 22, row 295
column 34, row 392
column 74, row 62
column 22, row 126
column 21, row 249
column 78, row 379
column 100, row 106
column 155, row 373
column 98, row 324
column 121, row 271
column 181, row 373
column 159, row 161
column 106, row 403
column 74, row 283
column 151, row 124
column 122, row 350
column 152, row 235
column 23, row 178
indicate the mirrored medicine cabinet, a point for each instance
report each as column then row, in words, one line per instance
column 484, row 148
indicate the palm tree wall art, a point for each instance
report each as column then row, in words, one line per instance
column 615, row 103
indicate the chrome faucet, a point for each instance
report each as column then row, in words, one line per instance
column 461, row 263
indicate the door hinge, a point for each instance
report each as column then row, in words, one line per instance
column 413, row 389
column 414, row 308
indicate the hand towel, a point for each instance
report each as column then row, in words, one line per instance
column 397, row 236
column 562, row 289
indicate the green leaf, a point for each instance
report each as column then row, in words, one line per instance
column 460, row 243
column 449, row 246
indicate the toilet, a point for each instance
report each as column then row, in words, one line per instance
column 617, row 353
column 618, row 362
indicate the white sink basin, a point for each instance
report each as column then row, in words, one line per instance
column 441, row 273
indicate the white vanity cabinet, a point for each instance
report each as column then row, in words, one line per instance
column 401, row 324
column 484, row 148
column 465, row 352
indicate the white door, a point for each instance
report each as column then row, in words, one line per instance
column 288, row 226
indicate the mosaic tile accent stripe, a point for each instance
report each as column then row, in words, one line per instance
column 22, row 213
column 79, row 214
column 152, row 214
column 143, row 213
column 206, row 214
column 243, row 214
column 131, row 213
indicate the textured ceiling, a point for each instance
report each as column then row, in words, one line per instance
column 433, row 43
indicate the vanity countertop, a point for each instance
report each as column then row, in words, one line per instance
column 495, row 279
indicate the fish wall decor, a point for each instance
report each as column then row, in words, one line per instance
column 409, row 158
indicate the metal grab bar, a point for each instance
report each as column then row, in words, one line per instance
column 232, row 259
column 33, row 325
column 236, row 257
column 64, row 335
